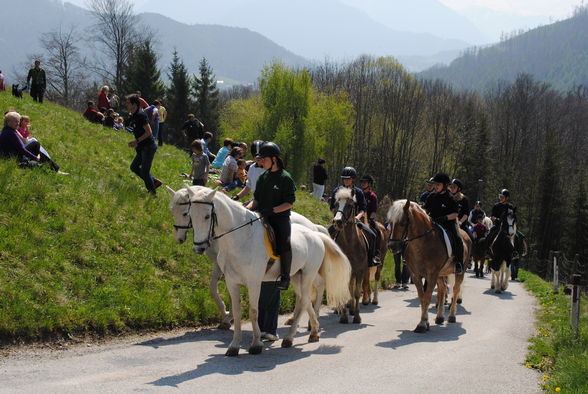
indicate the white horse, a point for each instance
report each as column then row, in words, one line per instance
column 179, row 208
column 215, row 216
column 502, row 249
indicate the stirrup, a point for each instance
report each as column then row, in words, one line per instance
column 283, row 283
column 375, row 262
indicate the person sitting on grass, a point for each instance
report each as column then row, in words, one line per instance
column 31, row 143
column 200, row 164
column 11, row 144
column 119, row 123
column 92, row 114
column 240, row 176
column 230, row 167
column 222, row 153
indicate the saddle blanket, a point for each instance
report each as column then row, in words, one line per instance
column 446, row 239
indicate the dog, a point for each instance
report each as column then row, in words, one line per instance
column 16, row 92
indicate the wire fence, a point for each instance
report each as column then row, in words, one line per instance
column 557, row 264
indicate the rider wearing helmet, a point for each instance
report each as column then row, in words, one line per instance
column 443, row 209
column 366, row 182
column 273, row 199
column 498, row 210
column 474, row 213
column 348, row 175
column 455, row 188
column 254, row 171
column 425, row 194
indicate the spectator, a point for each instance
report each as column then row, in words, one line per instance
column 109, row 118
column 205, row 141
column 142, row 103
column 221, row 155
column 113, row 100
column 253, row 172
column 119, row 123
column 153, row 116
column 192, row 129
column 319, row 176
column 91, row 113
column 200, row 164
column 37, row 82
column 2, row 82
column 230, row 167
column 32, row 145
column 162, row 117
column 240, row 176
column 103, row 98
column 11, row 144
column 144, row 144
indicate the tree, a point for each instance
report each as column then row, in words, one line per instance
column 142, row 73
column 115, row 30
column 64, row 64
column 207, row 98
column 178, row 93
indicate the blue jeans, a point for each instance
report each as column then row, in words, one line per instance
column 161, row 136
column 141, row 164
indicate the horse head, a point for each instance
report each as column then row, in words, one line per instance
column 345, row 200
column 398, row 219
column 180, row 208
column 202, row 215
column 508, row 222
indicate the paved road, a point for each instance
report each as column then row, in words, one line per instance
column 482, row 353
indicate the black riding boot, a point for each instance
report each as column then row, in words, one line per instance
column 285, row 265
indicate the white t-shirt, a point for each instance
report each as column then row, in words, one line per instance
column 253, row 175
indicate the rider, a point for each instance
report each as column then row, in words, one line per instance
column 498, row 210
column 273, row 199
column 455, row 188
column 366, row 182
column 443, row 209
column 425, row 194
column 348, row 175
column 474, row 213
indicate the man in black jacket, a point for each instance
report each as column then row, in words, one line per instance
column 319, row 176
column 37, row 81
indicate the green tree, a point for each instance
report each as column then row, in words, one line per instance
column 207, row 99
column 178, row 93
column 143, row 74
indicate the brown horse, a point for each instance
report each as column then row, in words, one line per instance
column 350, row 239
column 479, row 256
column 374, row 273
column 412, row 233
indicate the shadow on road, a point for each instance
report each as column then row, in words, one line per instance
column 224, row 336
column 268, row 360
column 442, row 333
column 505, row 295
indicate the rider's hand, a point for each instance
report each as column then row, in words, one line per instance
column 358, row 218
column 235, row 197
column 266, row 212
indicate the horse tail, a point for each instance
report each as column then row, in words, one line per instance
column 336, row 271
column 322, row 229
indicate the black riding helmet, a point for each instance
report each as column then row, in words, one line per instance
column 268, row 149
column 457, row 183
column 255, row 147
column 367, row 178
column 478, row 203
column 441, row 178
column 349, row 172
column 505, row 193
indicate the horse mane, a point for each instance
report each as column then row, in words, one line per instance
column 396, row 210
column 344, row 193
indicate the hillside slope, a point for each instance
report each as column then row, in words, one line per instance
column 557, row 53
column 92, row 252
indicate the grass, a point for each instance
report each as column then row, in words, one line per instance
column 92, row 252
column 562, row 359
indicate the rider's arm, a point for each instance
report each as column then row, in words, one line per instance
column 252, row 205
column 243, row 192
column 452, row 216
column 282, row 207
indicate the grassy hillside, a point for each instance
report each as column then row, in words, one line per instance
column 556, row 53
column 92, row 251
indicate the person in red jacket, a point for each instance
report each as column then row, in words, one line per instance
column 103, row 103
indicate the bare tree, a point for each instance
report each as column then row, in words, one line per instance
column 64, row 64
column 114, row 30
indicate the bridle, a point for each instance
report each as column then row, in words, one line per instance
column 213, row 222
column 405, row 239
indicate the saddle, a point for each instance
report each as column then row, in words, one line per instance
column 270, row 243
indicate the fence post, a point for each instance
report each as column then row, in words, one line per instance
column 554, row 257
column 575, row 313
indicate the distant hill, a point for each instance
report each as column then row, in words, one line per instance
column 313, row 29
column 556, row 53
column 236, row 54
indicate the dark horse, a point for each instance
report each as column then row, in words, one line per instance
column 479, row 249
column 501, row 250
column 413, row 234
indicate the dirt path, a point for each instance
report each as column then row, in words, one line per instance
column 482, row 353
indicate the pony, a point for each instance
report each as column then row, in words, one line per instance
column 374, row 273
column 413, row 234
column 180, row 213
column 501, row 250
column 350, row 239
column 215, row 217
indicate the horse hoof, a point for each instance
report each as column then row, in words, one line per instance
column 459, row 300
column 374, row 302
column 232, row 352
column 255, row 349
column 420, row 329
column 290, row 321
column 224, row 326
column 286, row 343
column 365, row 302
column 357, row 319
column 491, row 286
column 343, row 320
column 313, row 338
column 451, row 319
column 439, row 320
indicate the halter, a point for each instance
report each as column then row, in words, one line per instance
column 345, row 217
column 405, row 239
column 213, row 221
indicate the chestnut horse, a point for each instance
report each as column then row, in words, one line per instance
column 374, row 273
column 350, row 239
column 413, row 234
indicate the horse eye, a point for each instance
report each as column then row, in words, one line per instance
column 185, row 214
column 207, row 217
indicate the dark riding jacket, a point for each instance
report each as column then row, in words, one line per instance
column 500, row 209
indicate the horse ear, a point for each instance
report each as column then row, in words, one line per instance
column 170, row 190
column 190, row 192
column 407, row 205
column 211, row 195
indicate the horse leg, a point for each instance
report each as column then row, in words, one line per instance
column 297, row 310
column 235, row 294
column 302, row 297
column 506, row 272
column 377, row 285
column 312, row 311
column 357, row 296
column 423, row 325
column 367, row 291
column 254, row 289
column 226, row 316
column 456, row 298
column 344, row 317
column 441, row 290
column 319, row 286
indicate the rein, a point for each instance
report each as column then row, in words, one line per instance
column 211, row 234
column 405, row 239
